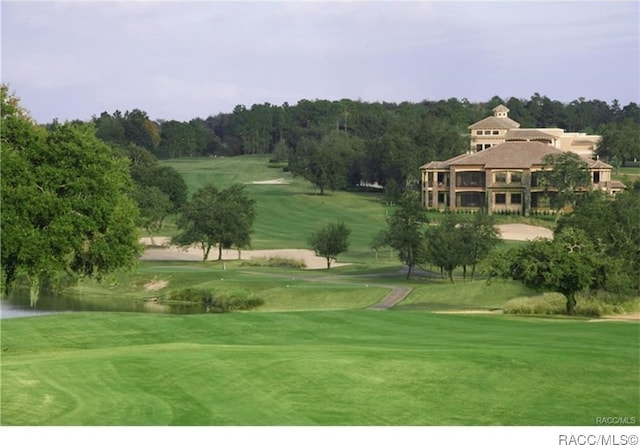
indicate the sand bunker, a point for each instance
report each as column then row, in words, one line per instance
column 162, row 251
column 523, row 232
column 155, row 285
column 279, row 181
column 173, row 253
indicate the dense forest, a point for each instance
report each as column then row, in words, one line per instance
column 371, row 142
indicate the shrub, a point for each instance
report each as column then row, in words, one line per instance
column 239, row 300
column 274, row 262
column 190, row 295
column 542, row 304
column 552, row 303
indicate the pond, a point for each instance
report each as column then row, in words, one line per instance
column 18, row 305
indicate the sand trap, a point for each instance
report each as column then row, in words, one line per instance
column 523, row 232
column 279, row 181
column 163, row 252
column 619, row 317
column 155, row 285
column 470, row 311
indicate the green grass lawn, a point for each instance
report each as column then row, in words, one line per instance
column 287, row 214
column 626, row 174
column 351, row 287
column 312, row 354
column 316, row 368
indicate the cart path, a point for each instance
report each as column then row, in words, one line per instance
column 394, row 297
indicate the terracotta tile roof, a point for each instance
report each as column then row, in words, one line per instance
column 493, row 122
column 433, row 165
column 615, row 185
column 596, row 164
column 528, row 133
column 509, row 155
column 513, row 154
column 443, row 164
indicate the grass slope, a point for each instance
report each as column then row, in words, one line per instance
column 316, row 368
column 290, row 289
column 287, row 214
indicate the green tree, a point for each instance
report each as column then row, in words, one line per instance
column 68, row 210
column 567, row 264
column 139, row 129
column 564, row 174
column 236, row 213
column 213, row 217
column 480, row 235
column 110, row 128
column 154, row 206
column 330, row 241
column 620, row 142
column 326, row 163
column 406, row 231
column 447, row 244
column 147, row 172
column 197, row 221
column 614, row 227
column 378, row 241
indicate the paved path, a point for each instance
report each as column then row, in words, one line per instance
column 394, row 297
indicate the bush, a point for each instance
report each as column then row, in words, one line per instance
column 231, row 303
column 274, row 262
column 190, row 295
column 239, row 300
column 546, row 304
column 553, row 304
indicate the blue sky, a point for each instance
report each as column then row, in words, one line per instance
column 178, row 60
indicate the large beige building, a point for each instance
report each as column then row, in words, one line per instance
column 500, row 128
column 500, row 171
column 502, row 177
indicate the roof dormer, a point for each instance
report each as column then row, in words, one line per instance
column 501, row 111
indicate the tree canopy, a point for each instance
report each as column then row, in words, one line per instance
column 330, row 241
column 392, row 139
column 614, row 227
column 213, row 217
column 564, row 175
column 461, row 241
column 620, row 142
column 406, row 231
column 65, row 201
column 566, row 264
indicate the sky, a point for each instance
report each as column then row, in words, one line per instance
column 182, row 60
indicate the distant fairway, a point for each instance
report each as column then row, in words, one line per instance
column 316, row 368
column 288, row 213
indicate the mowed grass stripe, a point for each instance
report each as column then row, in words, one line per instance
column 316, row 368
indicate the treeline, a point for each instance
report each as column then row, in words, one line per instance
column 391, row 140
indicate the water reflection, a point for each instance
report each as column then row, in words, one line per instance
column 8, row 310
column 18, row 305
